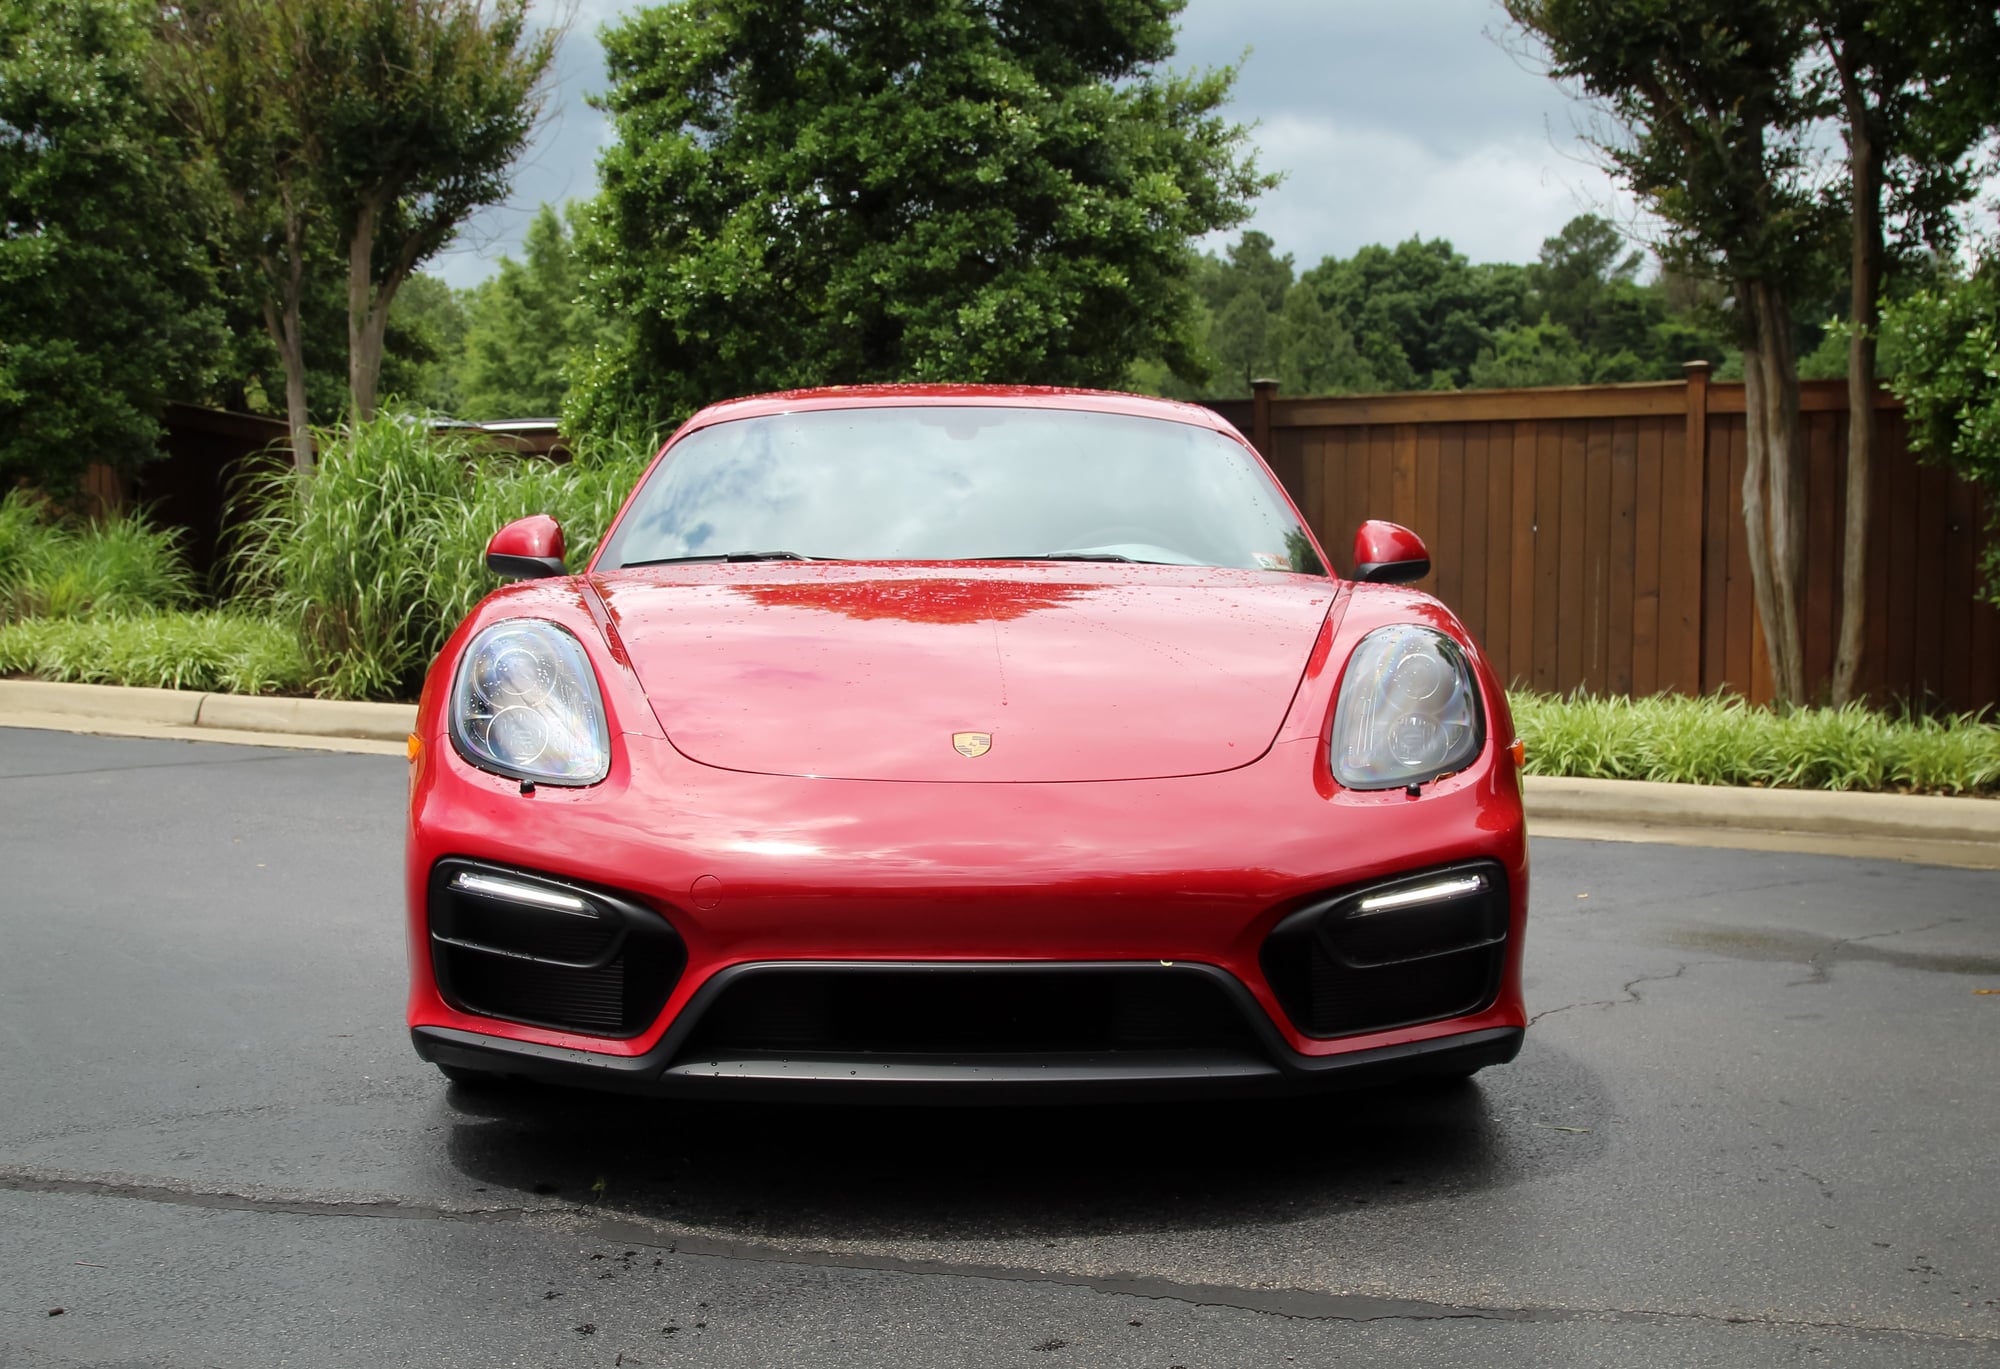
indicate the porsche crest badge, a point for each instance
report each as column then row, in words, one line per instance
column 972, row 744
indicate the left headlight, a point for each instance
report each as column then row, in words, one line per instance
column 1408, row 710
column 525, row 704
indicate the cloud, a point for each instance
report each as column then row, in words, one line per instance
column 1348, row 185
column 1393, row 118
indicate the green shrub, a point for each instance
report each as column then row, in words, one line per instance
column 210, row 651
column 376, row 557
column 1726, row 741
column 60, row 568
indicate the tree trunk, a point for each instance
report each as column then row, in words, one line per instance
column 281, row 321
column 1865, row 173
column 364, row 362
column 1774, row 485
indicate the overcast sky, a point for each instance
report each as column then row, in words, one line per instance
column 1389, row 119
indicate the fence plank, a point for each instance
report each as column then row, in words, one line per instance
column 1424, row 510
column 1499, row 640
column 1548, row 557
column 1473, row 527
column 1447, row 511
column 1648, row 526
column 1622, row 571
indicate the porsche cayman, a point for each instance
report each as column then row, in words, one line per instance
column 962, row 742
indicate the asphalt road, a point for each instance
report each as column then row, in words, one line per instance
column 1755, row 1124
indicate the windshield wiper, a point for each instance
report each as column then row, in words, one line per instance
column 722, row 556
column 1065, row 556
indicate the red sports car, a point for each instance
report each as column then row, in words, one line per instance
column 964, row 742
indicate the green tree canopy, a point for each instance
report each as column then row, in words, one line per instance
column 1420, row 313
column 374, row 125
column 808, row 191
column 109, row 308
column 526, row 326
column 1950, row 384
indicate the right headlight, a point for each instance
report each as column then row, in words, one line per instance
column 525, row 704
column 1408, row 710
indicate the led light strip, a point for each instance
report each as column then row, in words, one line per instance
column 1423, row 893
column 522, row 893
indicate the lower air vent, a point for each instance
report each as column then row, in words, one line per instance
column 525, row 948
column 1415, row 949
column 968, row 1012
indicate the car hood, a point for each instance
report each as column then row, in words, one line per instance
column 1071, row 672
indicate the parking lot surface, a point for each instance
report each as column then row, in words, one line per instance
column 1754, row 1124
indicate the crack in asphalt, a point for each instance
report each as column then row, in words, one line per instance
column 1816, row 964
column 1291, row 1303
column 1630, row 989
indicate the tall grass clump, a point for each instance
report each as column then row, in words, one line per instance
column 53, row 567
column 214, row 651
column 374, row 558
column 1723, row 740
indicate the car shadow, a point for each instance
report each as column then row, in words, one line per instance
column 854, row 1172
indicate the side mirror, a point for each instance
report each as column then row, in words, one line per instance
column 1389, row 554
column 527, row 549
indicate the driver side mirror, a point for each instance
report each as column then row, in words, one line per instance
column 1389, row 554
column 527, row 549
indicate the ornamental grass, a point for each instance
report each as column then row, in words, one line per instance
column 1723, row 740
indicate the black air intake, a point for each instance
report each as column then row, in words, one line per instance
column 526, row 948
column 969, row 1012
column 1418, row 948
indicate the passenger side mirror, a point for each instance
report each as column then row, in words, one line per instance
column 527, row 549
column 1389, row 554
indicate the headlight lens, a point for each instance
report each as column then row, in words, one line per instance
column 1408, row 711
column 525, row 704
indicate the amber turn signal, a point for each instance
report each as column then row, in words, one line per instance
column 416, row 746
column 1519, row 751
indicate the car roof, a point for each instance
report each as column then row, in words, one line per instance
column 917, row 396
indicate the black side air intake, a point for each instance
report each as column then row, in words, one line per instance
column 1417, row 948
column 527, row 948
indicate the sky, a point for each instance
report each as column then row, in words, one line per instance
column 1388, row 118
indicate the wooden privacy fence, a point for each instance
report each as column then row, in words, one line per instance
column 1594, row 537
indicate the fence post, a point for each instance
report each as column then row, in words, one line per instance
column 1290, row 473
column 1261, row 394
column 1693, row 669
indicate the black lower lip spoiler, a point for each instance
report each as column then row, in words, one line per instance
column 1055, row 1077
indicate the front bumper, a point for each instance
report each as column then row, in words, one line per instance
column 681, row 1064
column 754, row 873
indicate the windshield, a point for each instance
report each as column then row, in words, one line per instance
column 952, row 483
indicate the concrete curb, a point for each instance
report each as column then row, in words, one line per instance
column 110, row 705
column 1895, row 817
column 1954, row 831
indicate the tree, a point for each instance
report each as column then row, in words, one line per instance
column 424, row 344
column 1916, row 83
column 1544, row 353
column 1419, row 312
column 1316, row 354
column 376, row 125
column 812, row 191
column 109, row 307
column 1715, row 105
column 422, row 106
column 1244, row 295
column 526, row 327
column 1950, row 384
column 228, row 72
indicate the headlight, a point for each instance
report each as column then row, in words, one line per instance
column 1408, row 711
column 525, row 704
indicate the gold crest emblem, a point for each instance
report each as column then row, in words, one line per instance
column 972, row 743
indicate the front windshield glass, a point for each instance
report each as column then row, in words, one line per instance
column 944, row 483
